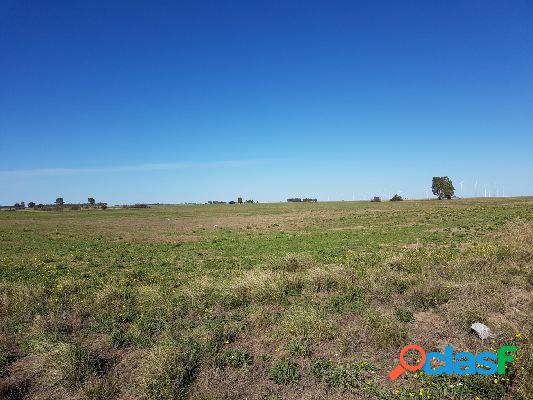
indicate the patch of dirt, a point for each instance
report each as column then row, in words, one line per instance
column 17, row 383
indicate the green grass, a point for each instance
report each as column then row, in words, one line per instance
column 343, row 376
column 284, row 372
column 235, row 358
column 278, row 300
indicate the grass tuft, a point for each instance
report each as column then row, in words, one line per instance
column 284, row 372
column 234, row 358
column 166, row 372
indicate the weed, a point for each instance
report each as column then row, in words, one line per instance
column 299, row 347
column 321, row 368
column 234, row 358
column 284, row 372
column 343, row 376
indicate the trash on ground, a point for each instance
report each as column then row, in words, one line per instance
column 482, row 330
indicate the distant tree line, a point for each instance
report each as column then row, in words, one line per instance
column 442, row 187
column 239, row 201
column 136, row 205
column 377, row 199
column 300, row 200
column 60, row 204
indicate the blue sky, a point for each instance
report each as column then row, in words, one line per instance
column 181, row 102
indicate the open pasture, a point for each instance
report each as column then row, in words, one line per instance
column 262, row 301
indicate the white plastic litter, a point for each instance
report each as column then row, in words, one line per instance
column 482, row 330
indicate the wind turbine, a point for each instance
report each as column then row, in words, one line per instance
column 485, row 187
column 475, row 189
column 461, row 183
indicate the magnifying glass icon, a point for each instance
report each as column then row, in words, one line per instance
column 403, row 366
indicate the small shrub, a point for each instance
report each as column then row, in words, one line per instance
column 284, row 372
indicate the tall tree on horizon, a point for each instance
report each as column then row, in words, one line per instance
column 442, row 187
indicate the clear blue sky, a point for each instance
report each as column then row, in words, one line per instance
column 167, row 102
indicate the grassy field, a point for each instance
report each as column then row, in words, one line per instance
column 262, row 301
